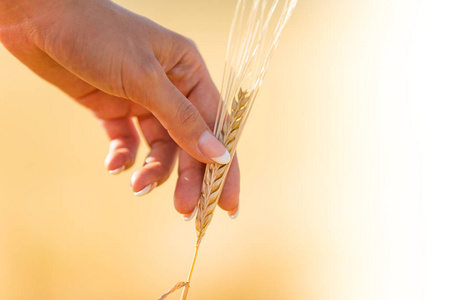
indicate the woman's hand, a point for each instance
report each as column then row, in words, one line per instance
column 121, row 65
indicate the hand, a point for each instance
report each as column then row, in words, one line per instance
column 121, row 65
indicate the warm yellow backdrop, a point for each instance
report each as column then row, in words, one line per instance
column 315, row 215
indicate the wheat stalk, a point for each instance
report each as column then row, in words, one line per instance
column 177, row 286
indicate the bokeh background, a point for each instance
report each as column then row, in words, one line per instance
column 344, row 171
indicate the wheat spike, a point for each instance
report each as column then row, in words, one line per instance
column 215, row 174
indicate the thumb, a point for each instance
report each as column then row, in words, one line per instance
column 181, row 119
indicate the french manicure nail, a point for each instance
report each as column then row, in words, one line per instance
column 213, row 148
column 235, row 214
column 116, row 171
column 133, row 178
column 189, row 217
column 146, row 190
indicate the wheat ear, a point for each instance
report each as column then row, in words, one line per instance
column 215, row 174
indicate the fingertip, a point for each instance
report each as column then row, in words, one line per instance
column 143, row 181
column 185, row 203
column 116, row 171
column 188, row 217
column 118, row 160
column 124, row 142
column 114, row 166
column 146, row 189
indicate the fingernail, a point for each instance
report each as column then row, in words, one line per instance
column 189, row 217
column 146, row 190
column 116, row 171
column 213, row 148
column 235, row 214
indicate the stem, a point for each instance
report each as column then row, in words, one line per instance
column 186, row 287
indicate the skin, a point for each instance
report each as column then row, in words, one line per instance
column 123, row 66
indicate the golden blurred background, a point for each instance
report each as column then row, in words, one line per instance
column 331, row 174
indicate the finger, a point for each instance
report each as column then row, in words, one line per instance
column 124, row 142
column 205, row 96
column 160, row 161
column 229, row 200
column 179, row 116
column 189, row 184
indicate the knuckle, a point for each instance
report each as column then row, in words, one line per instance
column 187, row 114
column 148, row 72
column 134, row 75
column 191, row 49
column 190, row 43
